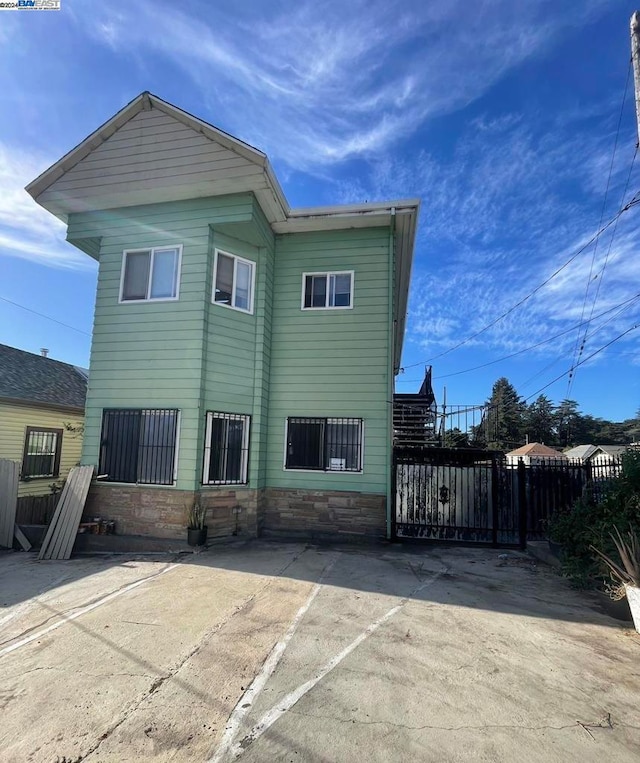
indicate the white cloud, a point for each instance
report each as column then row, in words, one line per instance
column 27, row 231
column 317, row 84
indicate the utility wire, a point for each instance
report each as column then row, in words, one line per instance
column 42, row 315
column 593, row 354
column 624, row 307
column 627, row 302
column 538, row 344
column 576, row 355
column 599, row 276
column 635, row 200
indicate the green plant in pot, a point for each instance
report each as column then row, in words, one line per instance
column 196, row 527
column 626, row 574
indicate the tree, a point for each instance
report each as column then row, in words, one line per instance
column 505, row 417
column 455, row 438
column 566, row 423
column 540, row 421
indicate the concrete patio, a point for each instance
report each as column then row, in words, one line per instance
column 278, row 652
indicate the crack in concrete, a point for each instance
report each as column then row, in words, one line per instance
column 608, row 725
column 77, row 672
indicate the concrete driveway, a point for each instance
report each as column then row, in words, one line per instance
column 283, row 652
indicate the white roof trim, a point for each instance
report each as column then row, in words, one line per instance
column 144, row 102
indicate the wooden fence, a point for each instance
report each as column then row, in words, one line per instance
column 36, row 509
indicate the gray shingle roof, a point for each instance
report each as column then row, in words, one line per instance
column 32, row 378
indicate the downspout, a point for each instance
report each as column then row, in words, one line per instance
column 390, row 368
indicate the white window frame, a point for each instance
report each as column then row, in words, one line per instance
column 329, row 420
column 329, row 273
column 152, row 250
column 244, row 453
column 236, row 259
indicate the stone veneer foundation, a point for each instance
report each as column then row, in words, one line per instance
column 161, row 512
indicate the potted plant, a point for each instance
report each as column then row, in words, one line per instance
column 196, row 528
column 625, row 576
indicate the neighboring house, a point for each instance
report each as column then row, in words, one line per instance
column 606, row 460
column 535, row 453
column 243, row 352
column 580, row 453
column 41, row 417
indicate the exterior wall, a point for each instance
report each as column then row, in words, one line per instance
column 152, row 354
column 324, row 514
column 196, row 356
column 332, row 362
column 162, row 512
column 153, row 154
column 14, row 420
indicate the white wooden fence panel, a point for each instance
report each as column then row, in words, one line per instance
column 62, row 531
column 8, row 500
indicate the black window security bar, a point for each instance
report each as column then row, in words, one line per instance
column 324, row 444
column 139, row 446
column 42, row 448
column 226, row 449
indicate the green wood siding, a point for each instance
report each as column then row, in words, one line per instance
column 188, row 354
column 14, row 420
column 333, row 362
column 280, row 361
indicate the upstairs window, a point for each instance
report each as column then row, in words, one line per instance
column 139, row 446
column 233, row 281
column 42, row 448
column 226, row 449
column 327, row 445
column 150, row 274
column 324, row 291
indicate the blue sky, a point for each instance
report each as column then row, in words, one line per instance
column 501, row 116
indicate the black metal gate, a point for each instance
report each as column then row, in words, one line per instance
column 456, row 495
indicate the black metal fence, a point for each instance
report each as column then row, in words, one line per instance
column 475, row 496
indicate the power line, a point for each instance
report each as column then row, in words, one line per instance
column 576, row 355
column 48, row 317
column 533, row 346
column 624, row 307
column 538, row 344
column 593, row 354
column 635, row 200
column 599, row 276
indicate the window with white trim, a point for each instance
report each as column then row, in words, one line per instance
column 324, row 291
column 150, row 274
column 233, row 281
column 226, row 449
column 139, row 445
column 324, row 444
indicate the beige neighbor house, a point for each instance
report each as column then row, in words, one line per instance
column 41, row 417
column 534, row 453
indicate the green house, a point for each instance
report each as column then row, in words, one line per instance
column 243, row 352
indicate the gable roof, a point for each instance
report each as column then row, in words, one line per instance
column 29, row 378
column 612, row 450
column 70, row 185
column 537, row 449
column 580, row 451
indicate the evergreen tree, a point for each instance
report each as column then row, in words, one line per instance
column 540, row 421
column 505, row 417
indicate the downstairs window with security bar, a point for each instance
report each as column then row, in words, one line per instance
column 226, row 449
column 324, row 444
column 139, row 445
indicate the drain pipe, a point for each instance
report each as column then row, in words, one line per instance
column 391, row 367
